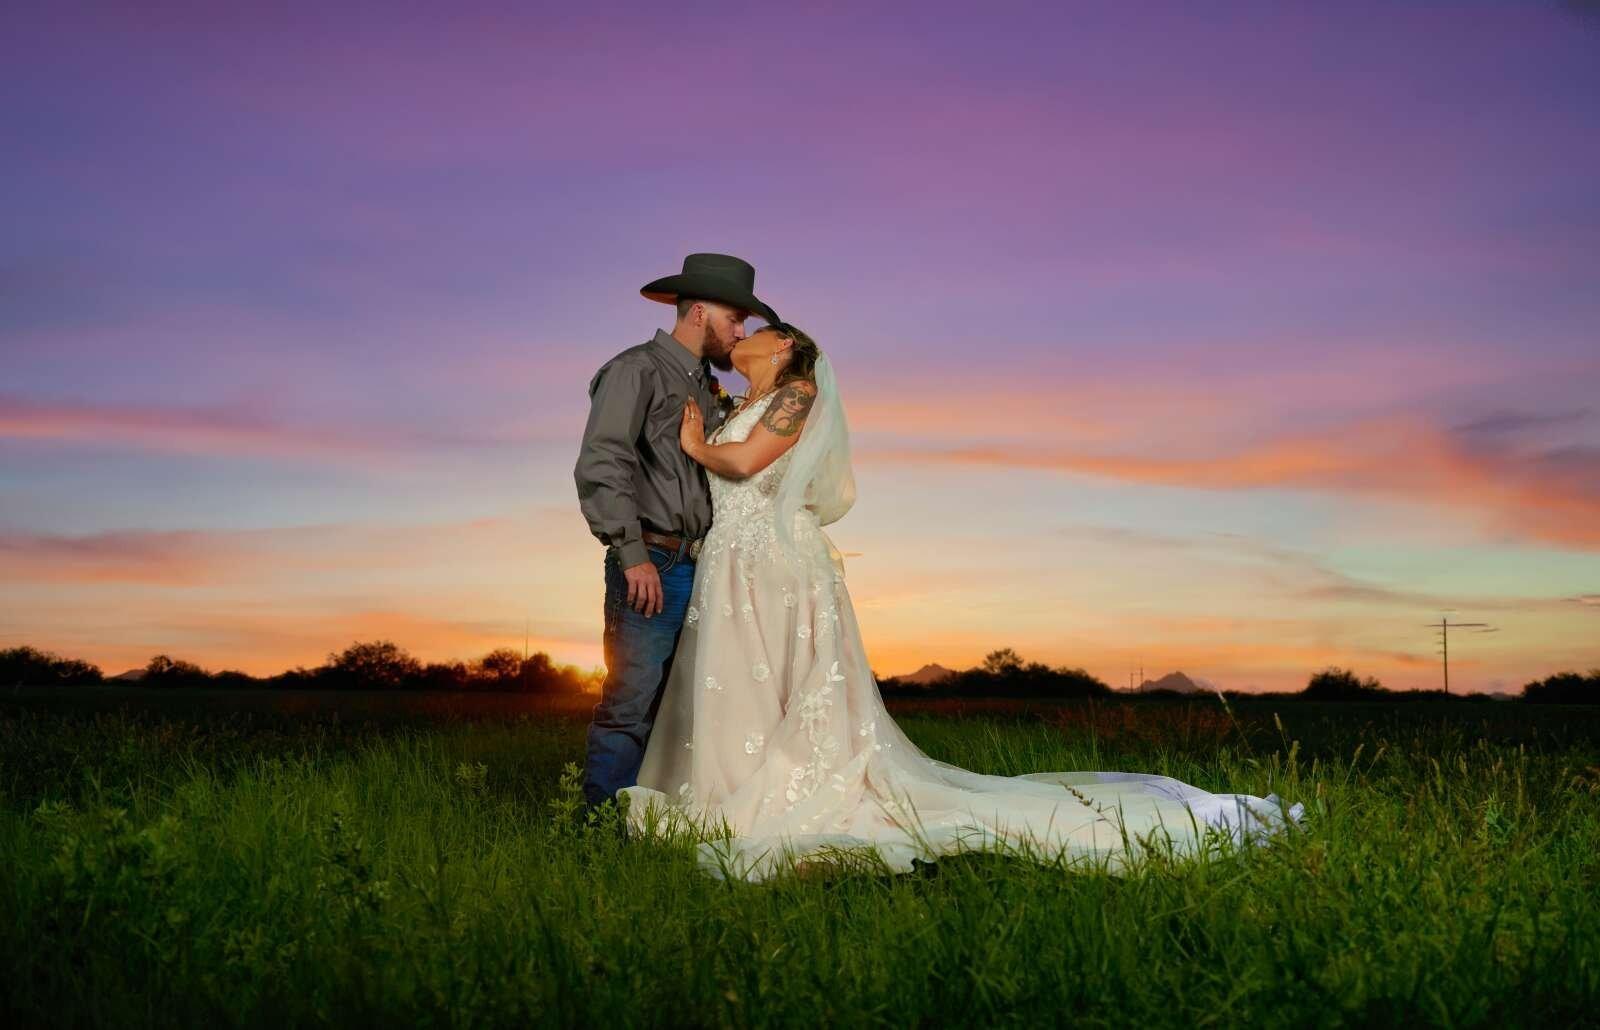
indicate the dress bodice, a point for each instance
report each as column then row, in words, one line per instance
column 739, row 500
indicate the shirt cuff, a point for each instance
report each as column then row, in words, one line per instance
column 632, row 553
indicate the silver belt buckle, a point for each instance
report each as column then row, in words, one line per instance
column 694, row 549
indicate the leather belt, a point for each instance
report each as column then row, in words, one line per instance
column 672, row 543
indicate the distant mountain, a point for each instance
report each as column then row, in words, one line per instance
column 132, row 675
column 1172, row 681
column 927, row 675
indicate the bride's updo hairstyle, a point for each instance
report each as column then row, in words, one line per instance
column 802, row 356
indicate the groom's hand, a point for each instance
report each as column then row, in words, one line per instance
column 644, row 588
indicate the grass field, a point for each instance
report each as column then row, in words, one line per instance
column 175, row 861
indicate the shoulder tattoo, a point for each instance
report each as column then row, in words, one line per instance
column 789, row 408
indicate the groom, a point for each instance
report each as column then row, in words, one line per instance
column 648, row 502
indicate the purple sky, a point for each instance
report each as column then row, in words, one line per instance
column 1242, row 338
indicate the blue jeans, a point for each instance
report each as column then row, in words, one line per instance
column 638, row 653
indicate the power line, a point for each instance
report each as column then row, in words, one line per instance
column 1443, row 626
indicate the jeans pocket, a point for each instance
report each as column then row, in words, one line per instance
column 662, row 558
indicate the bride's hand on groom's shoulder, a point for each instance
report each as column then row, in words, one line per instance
column 692, row 430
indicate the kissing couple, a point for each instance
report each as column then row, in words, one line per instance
column 738, row 700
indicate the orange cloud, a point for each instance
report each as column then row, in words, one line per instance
column 1398, row 457
column 177, row 558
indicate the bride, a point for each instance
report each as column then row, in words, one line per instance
column 772, row 742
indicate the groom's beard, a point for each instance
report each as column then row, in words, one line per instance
column 721, row 359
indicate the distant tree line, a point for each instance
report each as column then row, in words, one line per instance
column 373, row 665
column 1335, row 684
column 1565, row 688
column 384, row 665
column 1003, row 673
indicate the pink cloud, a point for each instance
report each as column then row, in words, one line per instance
column 237, row 432
column 217, row 557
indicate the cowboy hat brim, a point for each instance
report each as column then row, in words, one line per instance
column 669, row 288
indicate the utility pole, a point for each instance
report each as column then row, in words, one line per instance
column 1443, row 626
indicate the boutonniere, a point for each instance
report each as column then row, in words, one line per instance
column 724, row 399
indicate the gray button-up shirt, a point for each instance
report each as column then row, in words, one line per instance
column 631, row 473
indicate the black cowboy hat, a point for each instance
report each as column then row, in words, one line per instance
column 720, row 277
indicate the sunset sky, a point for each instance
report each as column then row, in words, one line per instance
column 1241, row 339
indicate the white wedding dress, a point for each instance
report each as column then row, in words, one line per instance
column 772, row 742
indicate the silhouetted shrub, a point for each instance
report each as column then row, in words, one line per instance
column 297, row 678
column 29, row 666
column 444, row 676
column 378, row 665
column 546, row 677
column 500, row 670
column 166, row 671
column 1565, row 688
column 1336, row 684
column 1001, row 663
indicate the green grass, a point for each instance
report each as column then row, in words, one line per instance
column 253, row 869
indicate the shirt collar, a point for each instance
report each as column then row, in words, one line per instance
column 693, row 367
